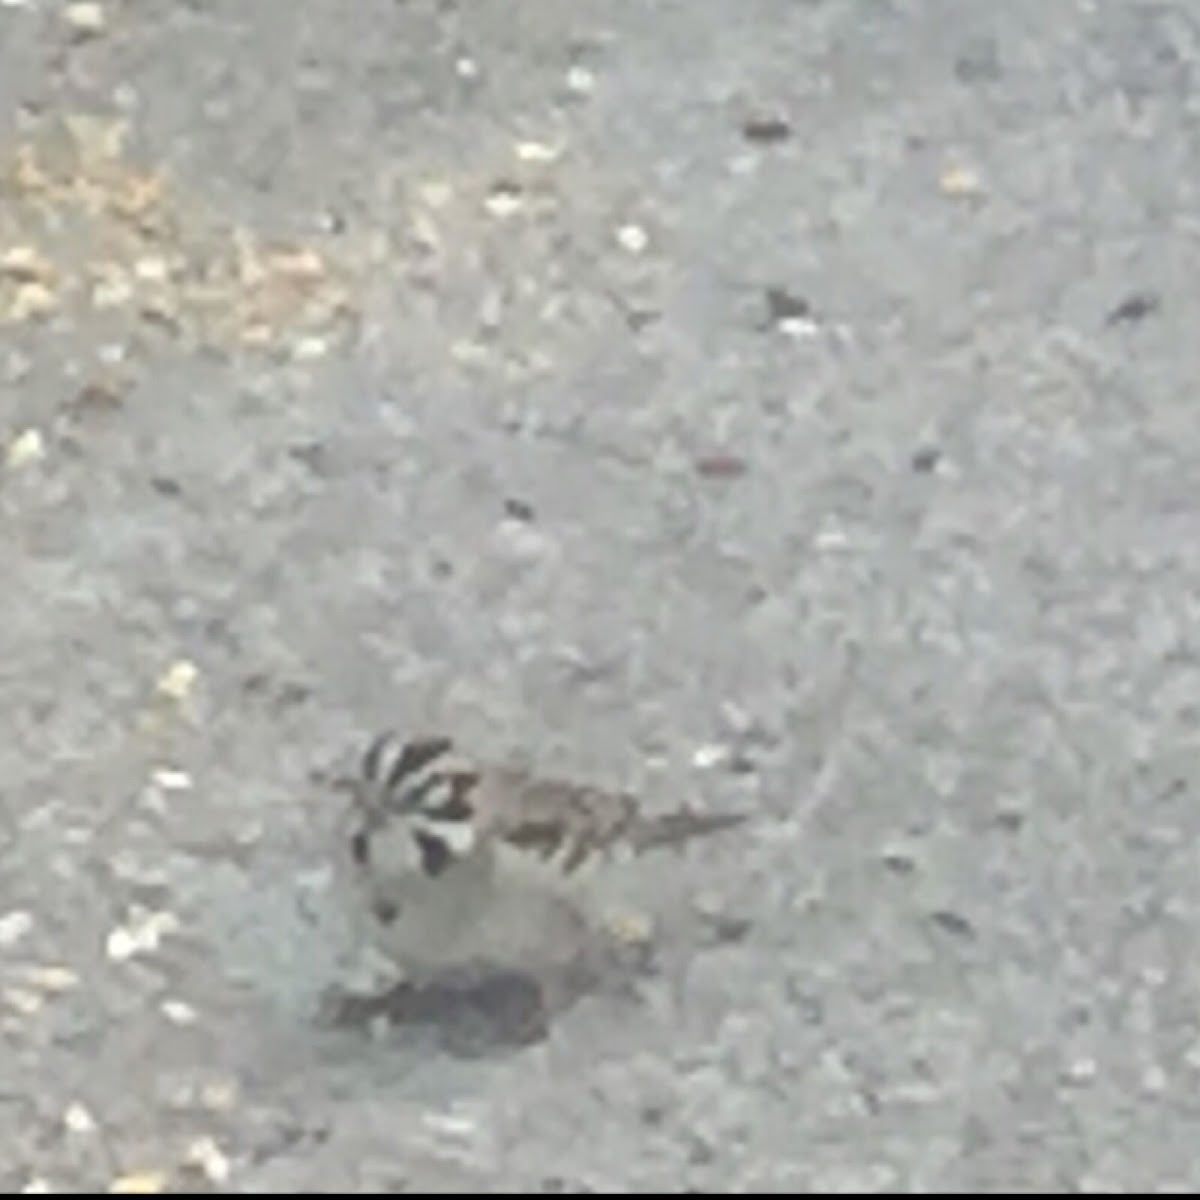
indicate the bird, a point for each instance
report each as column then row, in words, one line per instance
column 456, row 862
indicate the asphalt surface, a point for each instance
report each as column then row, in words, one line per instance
column 784, row 405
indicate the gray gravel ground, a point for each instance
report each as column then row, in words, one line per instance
column 789, row 404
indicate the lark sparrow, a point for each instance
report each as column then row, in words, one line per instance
column 455, row 862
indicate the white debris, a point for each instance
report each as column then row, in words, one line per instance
column 27, row 447
column 14, row 926
column 580, row 80
column 142, row 935
column 178, row 1012
column 86, row 19
column 170, row 779
column 210, row 1158
column 78, row 1119
column 633, row 239
column 711, row 754
column 178, row 680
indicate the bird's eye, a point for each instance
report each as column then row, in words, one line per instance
column 435, row 854
column 360, row 848
column 385, row 911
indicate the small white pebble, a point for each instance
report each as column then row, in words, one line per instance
column 25, row 264
column 798, row 327
column 14, row 926
column 178, row 1012
column 141, row 936
column 633, row 239
column 705, row 757
column 77, row 1119
column 960, row 181
column 172, row 780
column 503, row 202
column 210, row 1158
column 27, row 447
column 466, row 68
column 832, row 537
column 178, row 680
column 152, row 269
column 139, row 1183
column 1081, row 1070
column 23, row 1001
column 537, row 152
column 451, row 1124
column 580, row 80
column 51, row 977
column 310, row 348
column 31, row 302
column 121, row 944
column 85, row 18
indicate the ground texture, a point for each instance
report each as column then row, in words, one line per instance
column 783, row 405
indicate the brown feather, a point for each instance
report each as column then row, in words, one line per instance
column 554, row 817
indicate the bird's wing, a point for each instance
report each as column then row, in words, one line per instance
column 573, row 823
column 553, row 819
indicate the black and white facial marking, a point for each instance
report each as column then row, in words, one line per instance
column 395, row 767
column 444, row 826
column 436, row 855
column 422, row 783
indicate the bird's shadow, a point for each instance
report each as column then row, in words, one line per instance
column 468, row 1018
column 489, row 1010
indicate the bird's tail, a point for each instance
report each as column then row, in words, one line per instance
column 673, row 829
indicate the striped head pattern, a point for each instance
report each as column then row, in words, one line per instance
column 421, row 784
